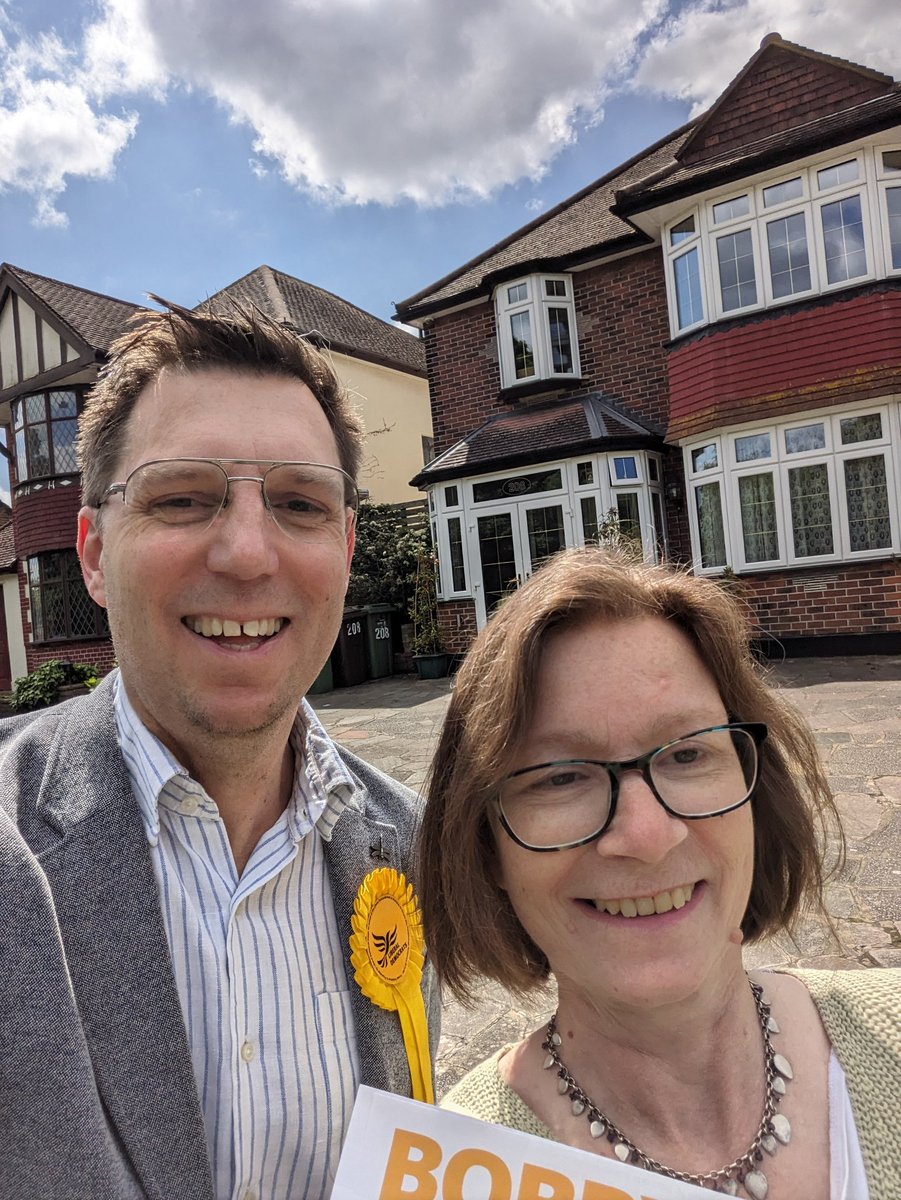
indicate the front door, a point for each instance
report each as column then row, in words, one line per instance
column 513, row 542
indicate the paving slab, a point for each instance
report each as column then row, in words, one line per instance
column 854, row 704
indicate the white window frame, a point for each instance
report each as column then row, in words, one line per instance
column 537, row 304
column 729, row 227
column 636, row 480
column 833, row 195
column 833, row 455
column 872, row 186
column 887, row 180
column 691, row 242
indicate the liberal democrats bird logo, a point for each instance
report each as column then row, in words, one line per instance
column 385, row 944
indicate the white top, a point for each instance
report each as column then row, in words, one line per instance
column 848, row 1180
column 259, row 966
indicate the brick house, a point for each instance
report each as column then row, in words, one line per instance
column 55, row 337
column 706, row 344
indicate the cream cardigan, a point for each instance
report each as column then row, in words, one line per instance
column 861, row 1011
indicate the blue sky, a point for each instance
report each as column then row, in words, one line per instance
column 366, row 146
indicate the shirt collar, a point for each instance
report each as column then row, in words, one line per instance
column 323, row 786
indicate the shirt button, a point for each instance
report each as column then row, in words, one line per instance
column 247, row 1053
column 189, row 805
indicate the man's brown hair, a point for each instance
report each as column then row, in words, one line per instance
column 242, row 339
column 470, row 925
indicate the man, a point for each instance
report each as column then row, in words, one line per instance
column 201, row 839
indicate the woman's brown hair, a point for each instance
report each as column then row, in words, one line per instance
column 471, row 927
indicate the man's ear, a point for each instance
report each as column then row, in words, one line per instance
column 90, row 552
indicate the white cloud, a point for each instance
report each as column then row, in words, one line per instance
column 359, row 101
column 681, row 62
column 377, row 100
column 51, row 125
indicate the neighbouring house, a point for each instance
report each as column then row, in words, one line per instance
column 55, row 337
column 702, row 348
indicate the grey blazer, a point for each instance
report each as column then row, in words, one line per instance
column 97, row 1091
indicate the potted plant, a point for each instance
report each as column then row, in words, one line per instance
column 431, row 658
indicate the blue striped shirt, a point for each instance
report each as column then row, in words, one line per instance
column 259, row 965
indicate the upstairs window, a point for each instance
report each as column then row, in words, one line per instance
column 44, row 428
column 796, row 234
column 536, row 324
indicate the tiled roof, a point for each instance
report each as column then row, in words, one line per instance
column 540, row 433
column 94, row 318
column 7, row 545
column 564, row 234
column 310, row 309
column 785, row 146
column 594, row 222
column 775, row 45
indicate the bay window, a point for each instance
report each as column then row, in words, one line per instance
column 44, row 430
column 795, row 234
column 820, row 489
column 536, row 325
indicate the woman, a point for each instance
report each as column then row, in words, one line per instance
column 618, row 801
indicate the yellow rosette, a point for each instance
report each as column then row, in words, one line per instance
column 387, row 953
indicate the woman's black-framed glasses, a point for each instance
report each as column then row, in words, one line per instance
column 303, row 498
column 559, row 805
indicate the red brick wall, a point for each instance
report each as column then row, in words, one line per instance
column 457, row 620
column 464, row 377
column 623, row 328
column 783, row 90
column 622, row 324
column 863, row 598
column 827, row 354
column 97, row 653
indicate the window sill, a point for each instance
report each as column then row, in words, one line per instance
column 538, row 387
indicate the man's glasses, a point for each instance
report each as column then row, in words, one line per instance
column 304, row 499
column 558, row 805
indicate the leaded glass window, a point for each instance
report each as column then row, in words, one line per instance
column 869, row 523
column 811, row 510
column 757, row 501
column 711, row 534
column 61, row 609
column 44, row 429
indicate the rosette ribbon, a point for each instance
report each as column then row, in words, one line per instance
column 387, row 953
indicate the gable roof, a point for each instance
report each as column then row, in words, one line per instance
column 541, row 433
column 736, row 118
column 847, row 101
column 311, row 310
column 714, row 148
column 94, row 319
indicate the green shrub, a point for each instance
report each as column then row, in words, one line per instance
column 384, row 564
column 41, row 687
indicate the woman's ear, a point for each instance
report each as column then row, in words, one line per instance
column 90, row 553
